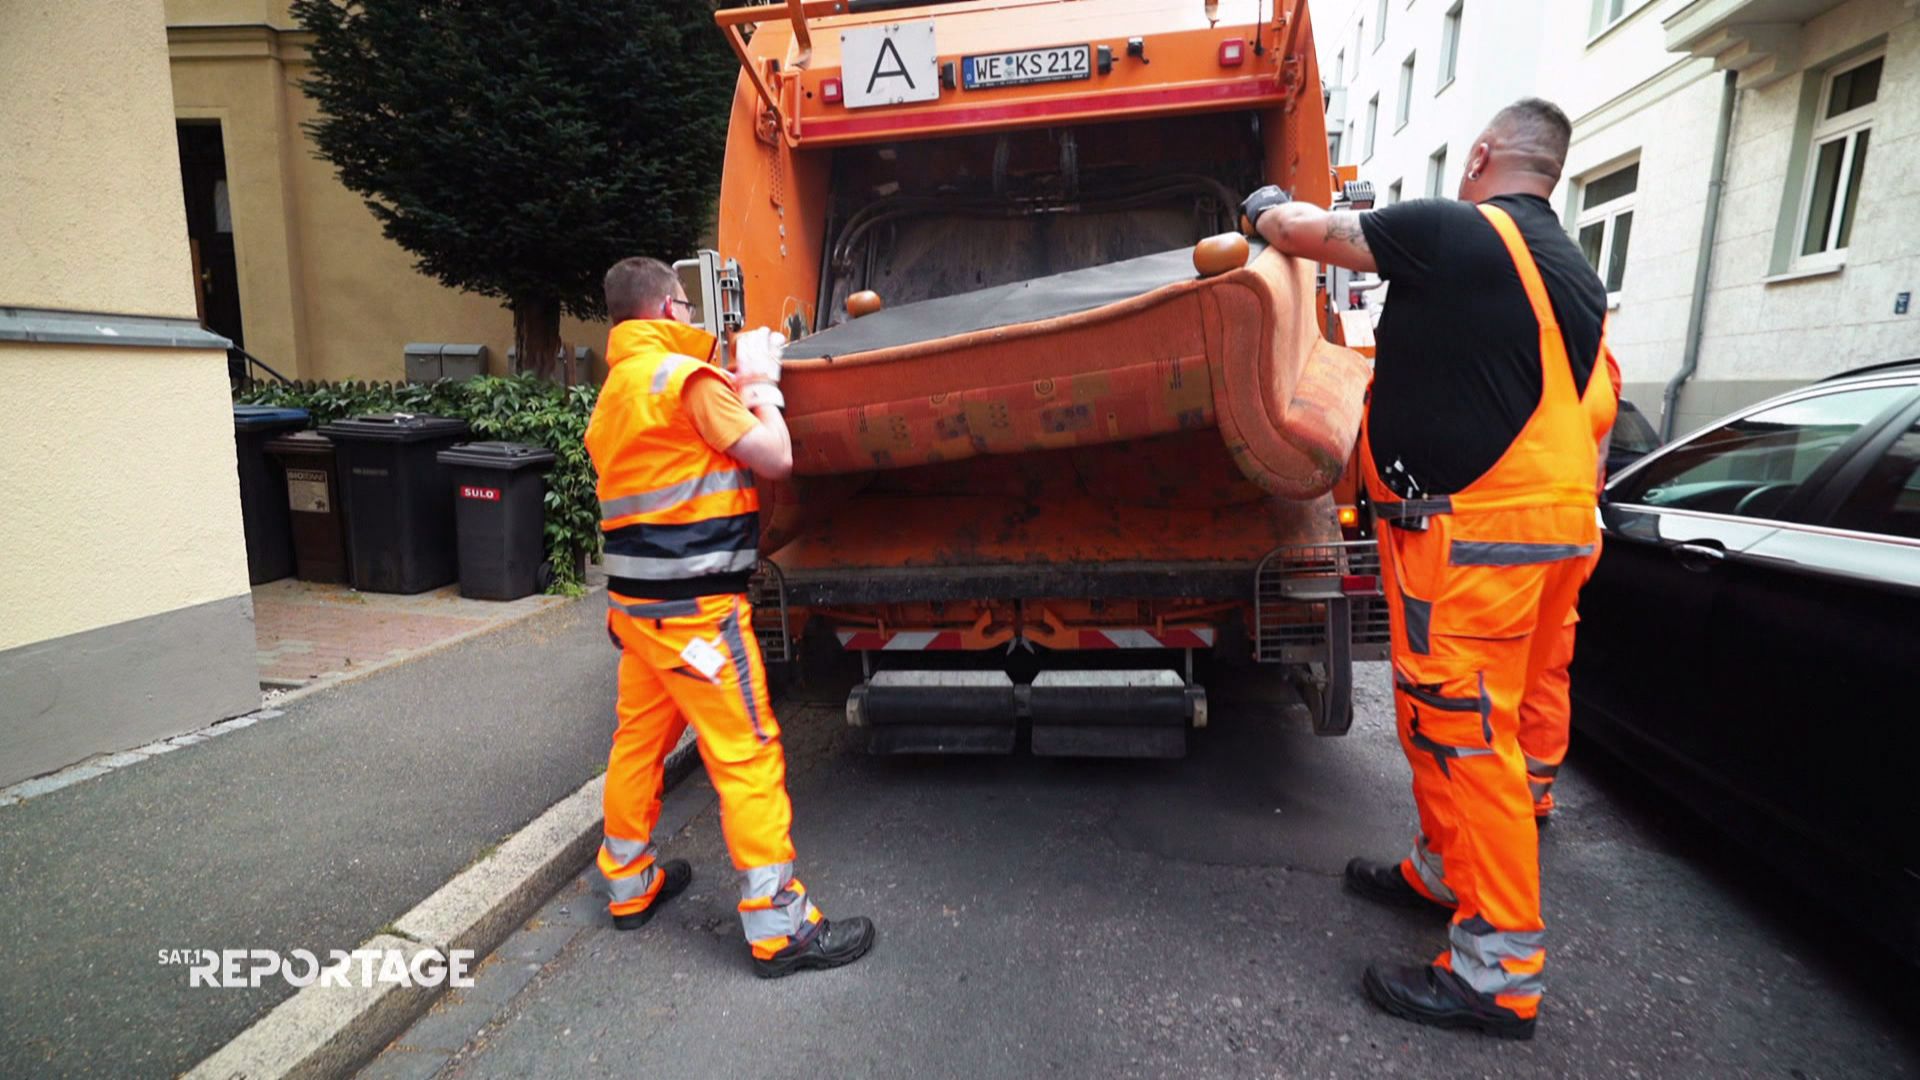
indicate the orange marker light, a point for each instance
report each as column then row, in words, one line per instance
column 1349, row 515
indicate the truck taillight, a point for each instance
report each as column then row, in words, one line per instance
column 830, row 91
column 1233, row 53
column 1360, row 584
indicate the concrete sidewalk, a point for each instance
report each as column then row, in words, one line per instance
column 313, row 829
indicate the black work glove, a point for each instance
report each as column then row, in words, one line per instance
column 1260, row 202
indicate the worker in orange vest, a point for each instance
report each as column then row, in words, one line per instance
column 1480, row 457
column 677, row 449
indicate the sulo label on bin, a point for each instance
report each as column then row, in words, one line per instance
column 468, row 491
column 307, row 490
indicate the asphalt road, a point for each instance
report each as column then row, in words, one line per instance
column 1094, row 918
column 310, row 830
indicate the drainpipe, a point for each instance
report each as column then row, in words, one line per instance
column 1703, row 265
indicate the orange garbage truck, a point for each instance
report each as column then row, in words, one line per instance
column 1058, row 429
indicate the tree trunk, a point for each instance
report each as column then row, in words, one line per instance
column 536, row 337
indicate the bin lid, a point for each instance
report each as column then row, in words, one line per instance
column 300, row 442
column 255, row 417
column 497, row 455
column 395, row 427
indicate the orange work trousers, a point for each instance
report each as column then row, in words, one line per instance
column 1546, row 712
column 696, row 661
column 1473, row 621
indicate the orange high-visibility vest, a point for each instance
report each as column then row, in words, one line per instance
column 1550, row 465
column 679, row 518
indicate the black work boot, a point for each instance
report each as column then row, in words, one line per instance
column 1383, row 883
column 834, row 942
column 1434, row 996
column 678, row 874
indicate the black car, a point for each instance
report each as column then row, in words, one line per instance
column 1751, row 637
column 1633, row 438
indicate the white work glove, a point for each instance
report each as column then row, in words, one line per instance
column 756, row 366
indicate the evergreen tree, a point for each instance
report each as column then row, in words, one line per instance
column 518, row 148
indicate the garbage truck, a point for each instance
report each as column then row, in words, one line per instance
column 1058, row 429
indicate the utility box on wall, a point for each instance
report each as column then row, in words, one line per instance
column 432, row 361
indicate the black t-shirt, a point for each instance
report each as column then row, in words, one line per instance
column 1457, row 364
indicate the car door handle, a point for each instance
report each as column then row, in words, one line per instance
column 1699, row 557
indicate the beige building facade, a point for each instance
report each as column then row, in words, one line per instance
column 127, row 615
column 314, row 290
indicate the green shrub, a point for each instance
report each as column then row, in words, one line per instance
column 519, row 408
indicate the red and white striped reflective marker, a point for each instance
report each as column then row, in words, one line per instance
column 1146, row 639
column 900, row 641
column 940, row 640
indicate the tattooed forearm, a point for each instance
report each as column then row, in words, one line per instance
column 1343, row 227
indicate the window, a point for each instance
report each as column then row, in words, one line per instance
column 1449, row 46
column 1605, row 223
column 1359, row 35
column 1751, row 466
column 1373, row 124
column 1888, row 498
column 1437, row 173
column 1406, row 93
column 1380, row 24
column 1632, row 434
column 1333, row 148
column 1836, row 162
column 1340, row 68
column 1607, row 13
column 1393, row 193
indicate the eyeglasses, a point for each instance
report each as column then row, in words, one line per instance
column 688, row 304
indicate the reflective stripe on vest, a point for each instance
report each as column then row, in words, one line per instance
column 673, row 509
column 665, row 498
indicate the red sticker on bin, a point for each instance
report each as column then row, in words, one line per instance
column 489, row 494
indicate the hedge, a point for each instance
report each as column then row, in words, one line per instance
column 518, row 408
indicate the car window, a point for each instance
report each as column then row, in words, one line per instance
column 1751, row 466
column 1888, row 499
column 1631, row 432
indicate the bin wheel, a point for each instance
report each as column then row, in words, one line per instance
column 544, row 577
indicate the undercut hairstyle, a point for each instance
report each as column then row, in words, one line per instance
column 1536, row 133
column 637, row 288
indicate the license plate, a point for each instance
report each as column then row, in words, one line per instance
column 1058, row 64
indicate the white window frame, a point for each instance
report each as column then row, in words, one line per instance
column 1606, row 215
column 1437, row 174
column 1598, row 24
column 1340, row 68
column 1380, row 24
column 1847, row 126
column 1373, row 125
column 1450, row 45
column 1395, row 192
column 1403, row 105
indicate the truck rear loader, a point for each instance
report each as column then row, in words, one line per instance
column 1057, row 429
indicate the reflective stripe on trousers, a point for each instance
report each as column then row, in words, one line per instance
column 627, row 874
column 774, row 909
column 1540, row 776
column 1431, row 868
column 1503, row 963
